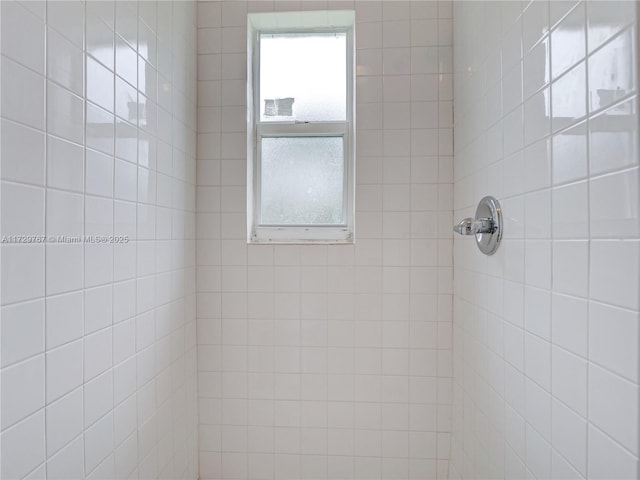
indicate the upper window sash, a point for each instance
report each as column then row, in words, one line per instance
column 348, row 77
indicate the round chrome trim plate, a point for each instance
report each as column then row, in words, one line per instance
column 489, row 208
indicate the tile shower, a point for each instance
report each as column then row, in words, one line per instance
column 332, row 361
column 185, row 353
column 546, row 332
column 98, row 339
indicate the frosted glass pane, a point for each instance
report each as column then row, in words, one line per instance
column 302, row 181
column 303, row 77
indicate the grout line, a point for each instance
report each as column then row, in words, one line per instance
column 84, row 232
column 589, row 235
column 44, row 269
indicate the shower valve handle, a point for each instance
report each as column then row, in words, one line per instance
column 472, row 226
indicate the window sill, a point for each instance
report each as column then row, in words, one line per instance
column 302, row 235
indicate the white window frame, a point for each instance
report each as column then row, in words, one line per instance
column 342, row 21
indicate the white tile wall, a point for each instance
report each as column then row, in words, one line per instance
column 321, row 361
column 98, row 351
column 331, row 361
column 546, row 345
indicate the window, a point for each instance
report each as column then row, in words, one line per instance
column 301, row 127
